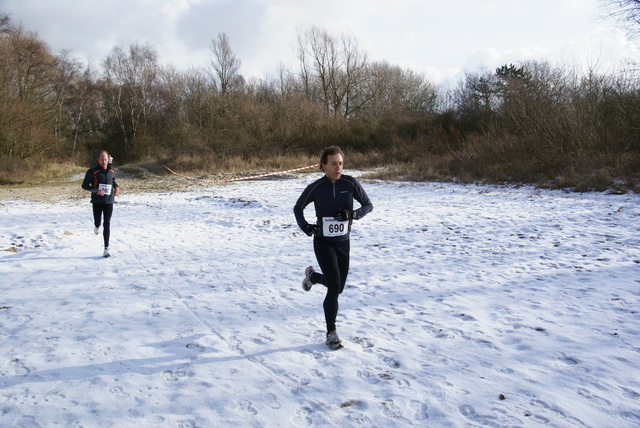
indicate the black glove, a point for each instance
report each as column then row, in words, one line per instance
column 312, row 230
column 343, row 215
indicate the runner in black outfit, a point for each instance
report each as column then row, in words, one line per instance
column 333, row 196
column 100, row 180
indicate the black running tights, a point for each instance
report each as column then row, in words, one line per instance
column 333, row 259
column 100, row 211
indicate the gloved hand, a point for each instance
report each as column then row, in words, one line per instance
column 343, row 215
column 312, row 230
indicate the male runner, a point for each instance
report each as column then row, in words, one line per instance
column 100, row 180
column 332, row 196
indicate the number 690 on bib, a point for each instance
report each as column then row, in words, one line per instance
column 332, row 227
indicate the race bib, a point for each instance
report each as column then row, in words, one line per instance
column 106, row 188
column 332, row 227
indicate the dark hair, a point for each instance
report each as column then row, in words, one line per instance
column 333, row 150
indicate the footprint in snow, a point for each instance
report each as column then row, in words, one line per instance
column 466, row 410
column 195, row 347
column 421, row 409
column 135, row 413
column 18, row 367
column 392, row 362
column 315, row 354
column 391, row 410
column 386, row 375
column 593, row 398
column 302, row 416
column 554, row 411
column 403, row 383
column 247, row 406
column 568, row 360
column 369, row 377
column 272, row 401
column 318, row 374
column 175, row 375
column 633, row 417
column 363, row 341
column 118, row 391
column 262, row 340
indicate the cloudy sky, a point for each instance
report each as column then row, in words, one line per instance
column 439, row 38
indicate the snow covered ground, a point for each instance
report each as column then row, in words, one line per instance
column 466, row 306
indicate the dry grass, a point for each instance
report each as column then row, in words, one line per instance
column 16, row 171
column 144, row 177
column 215, row 166
column 477, row 163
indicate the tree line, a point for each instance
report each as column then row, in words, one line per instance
column 530, row 122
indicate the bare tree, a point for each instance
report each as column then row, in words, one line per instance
column 354, row 76
column 225, row 64
column 331, row 70
column 477, row 101
column 26, row 111
column 286, row 81
column 627, row 12
column 394, row 92
column 76, row 99
column 67, row 71
column 131, row 94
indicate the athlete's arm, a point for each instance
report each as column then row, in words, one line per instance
column 361, row 196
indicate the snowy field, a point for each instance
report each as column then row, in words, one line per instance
column 466, row 306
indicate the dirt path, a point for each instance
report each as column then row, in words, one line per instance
column 128, row 183
column 51, row 192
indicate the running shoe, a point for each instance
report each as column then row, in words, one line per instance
column 333, row 341
column 96, row 230
column 106, row 252
column 306, row 282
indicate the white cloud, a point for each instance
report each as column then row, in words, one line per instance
column 438, row 38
